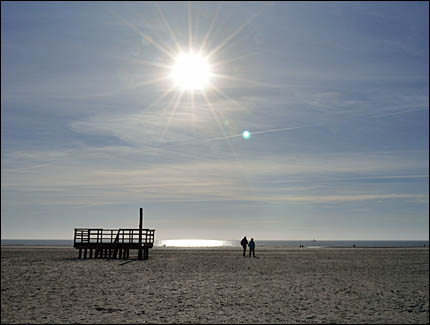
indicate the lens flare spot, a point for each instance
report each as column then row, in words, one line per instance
column 246, row 135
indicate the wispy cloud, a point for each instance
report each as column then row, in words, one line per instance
column 114, row 174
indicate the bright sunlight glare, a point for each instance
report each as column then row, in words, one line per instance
column 191, row 71
column 193, row 243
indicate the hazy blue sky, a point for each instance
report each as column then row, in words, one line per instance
column 335, row 96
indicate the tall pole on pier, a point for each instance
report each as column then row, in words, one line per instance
column 140, row 255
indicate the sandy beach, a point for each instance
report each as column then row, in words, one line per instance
column 333, row 285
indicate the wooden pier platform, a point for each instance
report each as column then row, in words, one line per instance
column 113, row 243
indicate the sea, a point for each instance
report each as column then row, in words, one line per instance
column 236, row 243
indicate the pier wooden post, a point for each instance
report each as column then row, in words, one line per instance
column 140, row 234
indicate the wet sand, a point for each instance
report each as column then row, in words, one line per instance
column 333, row 285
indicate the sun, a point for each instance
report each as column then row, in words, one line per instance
column 191, row 71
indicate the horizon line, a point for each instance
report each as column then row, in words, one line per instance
column 239, row 239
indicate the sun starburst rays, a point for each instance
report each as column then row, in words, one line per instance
column 205, row 39
column 193, row 70
column 172, row 34
column 172, row 114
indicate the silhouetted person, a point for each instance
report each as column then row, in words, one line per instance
column 251, row 247
column 244, row 243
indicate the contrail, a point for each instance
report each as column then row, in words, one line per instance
column 400, row 112
column 261, row 132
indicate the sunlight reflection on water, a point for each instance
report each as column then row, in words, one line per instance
column 194, row 243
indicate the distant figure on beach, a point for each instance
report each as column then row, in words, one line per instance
column 244, row 243
column 251, row 247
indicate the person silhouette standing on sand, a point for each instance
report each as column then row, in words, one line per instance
column 244, row 243
column 252, row 247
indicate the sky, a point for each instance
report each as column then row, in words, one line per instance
column 335, row 96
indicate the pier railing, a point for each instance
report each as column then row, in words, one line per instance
column 112, row 236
